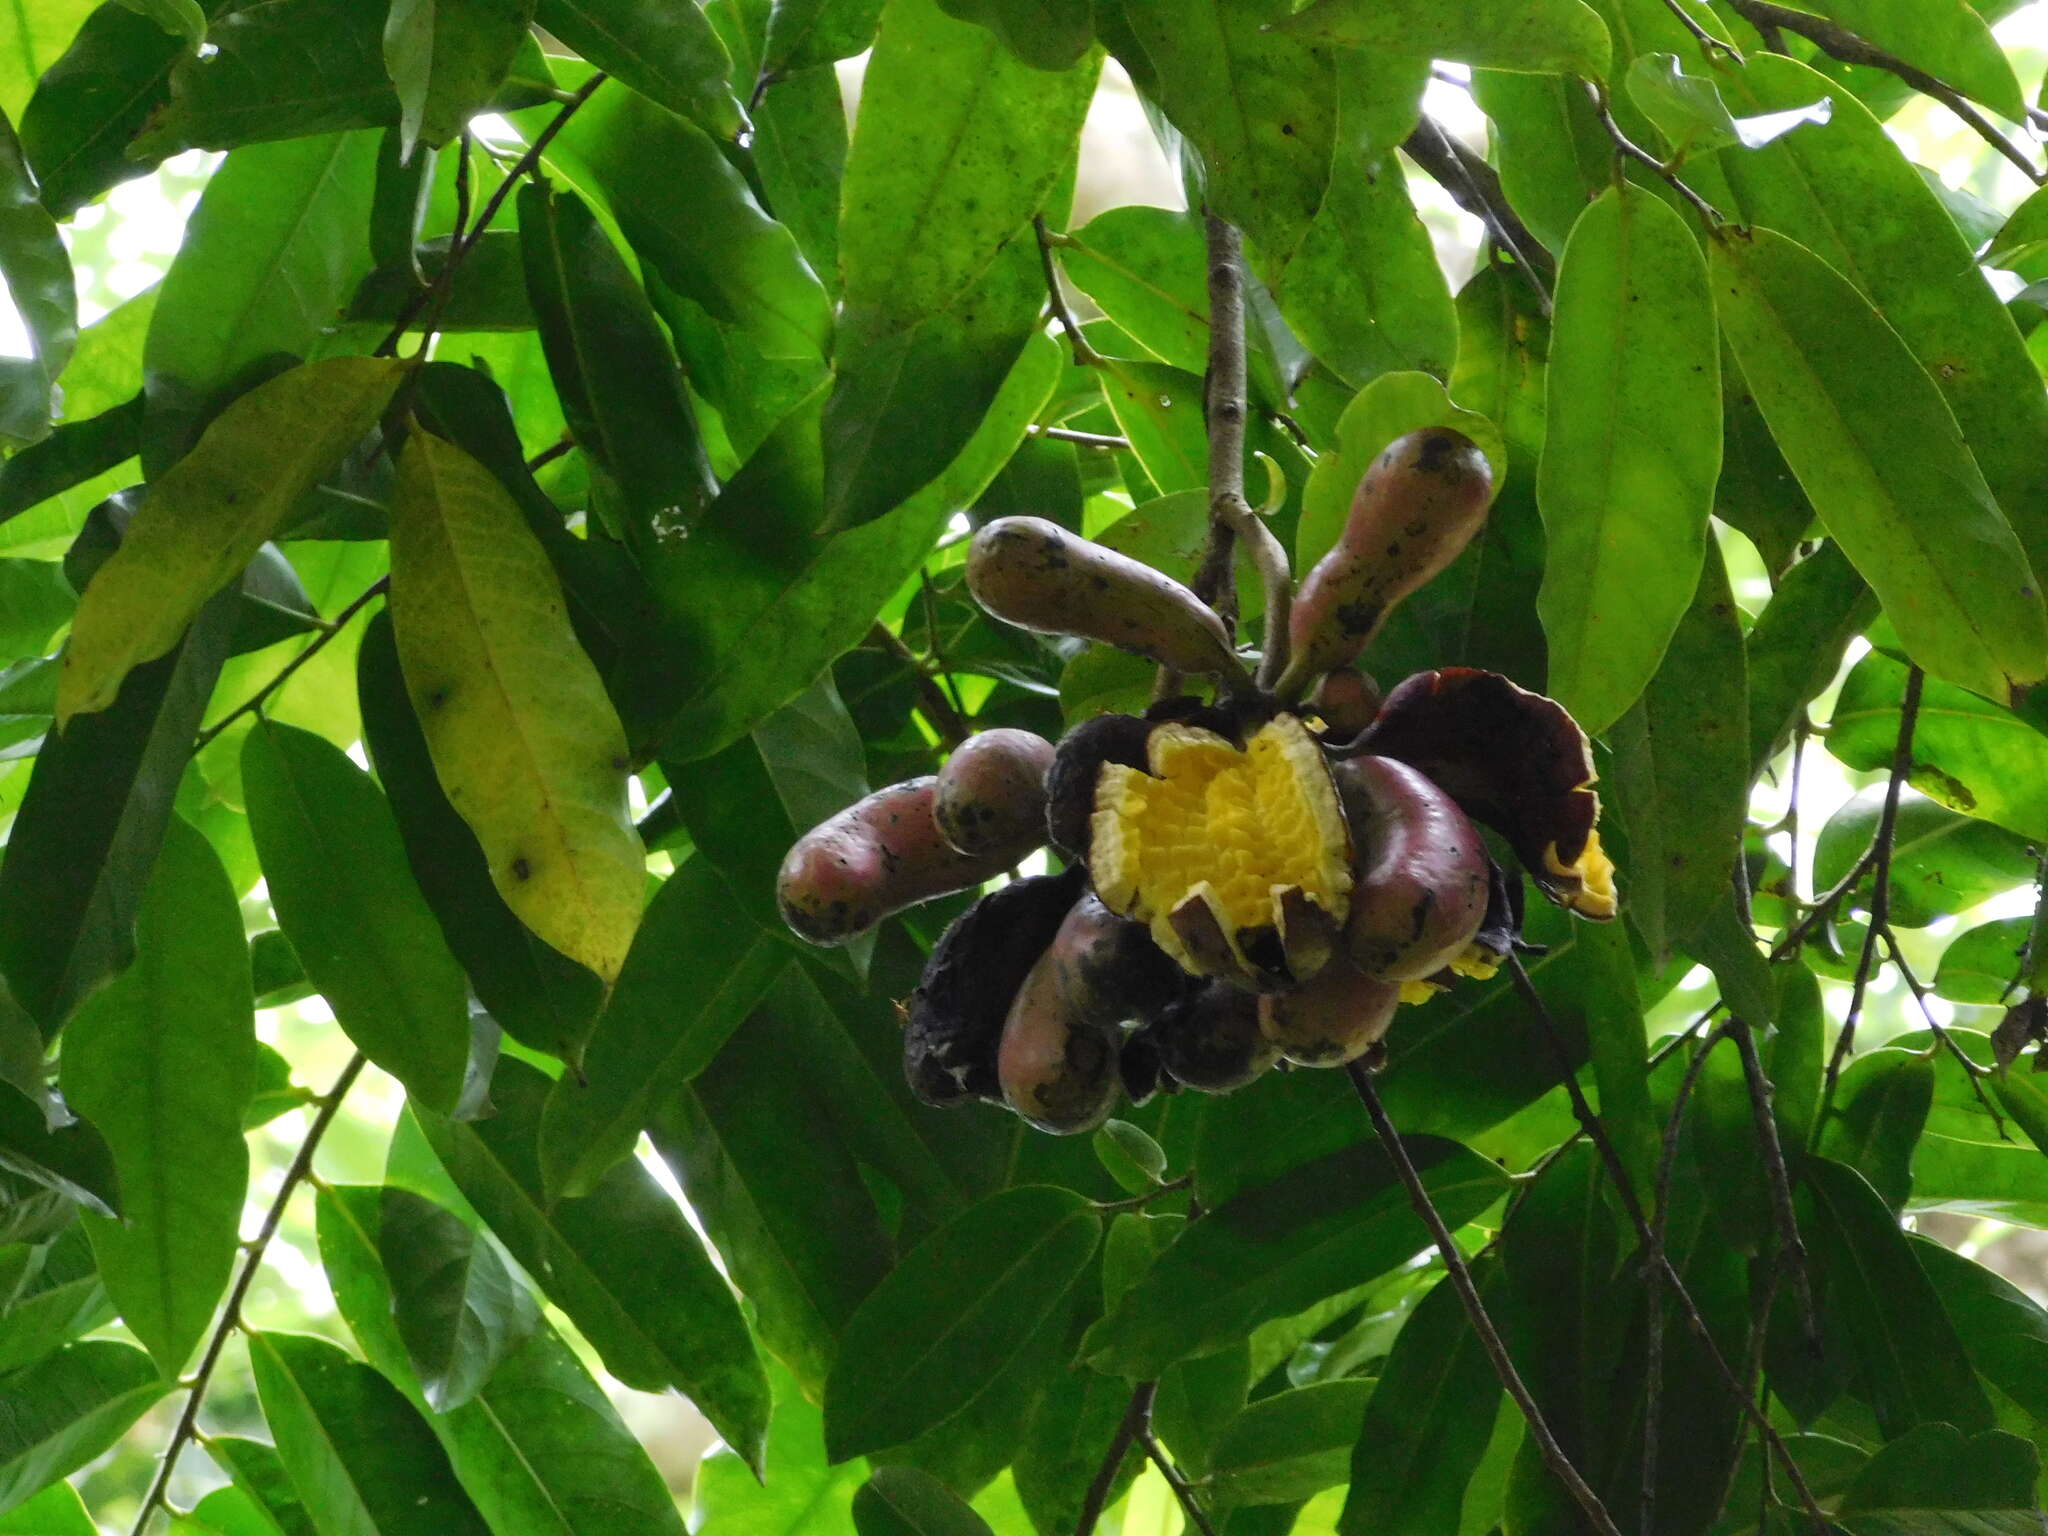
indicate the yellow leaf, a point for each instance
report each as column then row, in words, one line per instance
column 523, row 739
column 207, row 516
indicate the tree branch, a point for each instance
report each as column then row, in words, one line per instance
column 1631, row 150
column 931, row 698
column 1475, row 187
column 231, row 1313
column 1085, row 356
column 1101, row 440
column 284, row 673
column 1707, row 40
column 1482, row 1325
column 1190, row 1505
column 1791, row 1248
column 1137, row 1421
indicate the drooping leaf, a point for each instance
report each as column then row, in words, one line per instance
column 541, row 1450
column 621, row 1261
column 1278, row 1246
column 446, row 58
column 1551, row 37
column 73, row 1158
column 1289, row 1446
column 356, row 1450
column 1632, row 452
column 91, row 101
column 669, row 53
column 456, row 1306
column 522, row 736
column 971, row 1295
column 692, row 976
column 67, row 1409
column 1937, row 1480
column 1880, row 1109
column 1982, row 965
column 1921, row 528
column 162, row 1061
column 339, row 883
column 205, row 519
column 37, row 270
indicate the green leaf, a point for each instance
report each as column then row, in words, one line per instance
column 1259, row 106
column 61, row 1300
column 2004, row 1330
column 1633, row 450
column 1880, row 1109
column 689, row 980
column 540, row 996
column 806, row 33
column 622, row 1262
column 37, row 271
column 800, row 139
column 269, row 258
column 162, row 1061
column 522, row 735
column 902, row 1501
column 1942, row 863
column 1145, row 269
column 1946, row 38
column 801, row 1491
column 70, row 464
column 1280, row 1246
column 1549, row 37
column 970, row 1296
column 456, row 1306
column 771, row 604
column 1289, row 1446
column 1911, row 1363
column 668, row 53
column 1065, row 1441
column 612, row 368
column 1680, row 776
column 1936, row 1481
column 91, row 102
column 35, row 600
column 34, row 46
column 341, row 889
column 86, row 837
column 1982, row 964
column 260, row 1477
column 1922, row 528
column 56, row 1511
column 1795, row 647
column 68, row 1408
column 205, row 519
column 446, row 58
column 1046, row 34
column 1689, row 112
column 1611, row 1013
column 1970, row 755
column 541, row 1449
column 356, row 1450
column 1845, row 192
column 1425, row 1426
column 1555, row 157
column 72, row 1158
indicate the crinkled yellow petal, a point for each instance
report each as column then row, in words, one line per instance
column 1594, row 873
column 1243, row 828
column 1477, row 963
column 1413, row 992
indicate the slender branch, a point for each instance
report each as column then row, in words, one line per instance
column 1707, row 40
column 1973, row 1072
column 1139, row 1202
column 1137, row 1421
column 313, row 648
column 1475, row 187
column 1791, row 1248
column 549, row 454
column 1101, row 440
column 1881, row 897
column 459, row 249
column 1630, row 150
column 1823, row 907
column 931, row 698
column 1085, row 356
column 231, row 1312
column 942, row 668
column 1482, row 1325
column 1838, row 42
column 1189, row 1504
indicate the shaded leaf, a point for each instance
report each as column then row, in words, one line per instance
column 68, row 1408
column 801, row 1488
column 37, row 270
column 1880, row 1109
column 260, row 1477
column 1795, row 647
column 457, row 1307
column 1550, row 37
column 91, row 102
column 446, row 58
column 1936, row 1479
column 58, row 1297
column 1290, row 1445
column 1941, row 862
column 669, row 53
column 56, row 1511
column 902, row 1501
column 71, row 1158
column 1982, row 964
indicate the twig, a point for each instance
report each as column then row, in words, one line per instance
column 1231, row 518
column 1139, row 1202
column 231, row 1312
column 937, row 662
column 1482, row 1325
column 1839, row 42
column 1823, row 907
column 1707, row 39
column 1973, row 1072
column 1101, row 440
column 1630, row 150
column 931, row 698
column 459, row 250
column 1137, row 1421
column 284, row 673
column 1791, row 1248
column 549, row 454
column 1881, row 897
column 1475, row 187
column 1189, row 1504
column 1085, row 356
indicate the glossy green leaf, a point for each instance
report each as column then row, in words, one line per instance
column 622, row 1261
column 1279, row 1246
column 1947, row 38
column 668, row 53
column 541, row 997
column 902, row 1501
column 356, row 1450
column 523, row 738
column 803, row 34
column 1922, row 528
column 540, row 1450
column 1680, row 774
column 1912, row 1364
column 1936, row 1480
column 1880, row 1109
column 1795, row 647
column 339, row 882
column 260, row 1477
column 446, row 58
column 56, row 1511
column 1288, row 1446
column 1554, row 155
column 37, row 271
column 1551, row 37
column 1144, row 268
column 1632, row 452
column 57, row 1297
column 1941, row 862
column 92, row 101
column 613, row 370
column 690, row 979
column 456, row 1306
column 162, row 1061
column 1983, row 964
column 970, row 1296
column 66, row 1409
column 1969, row 754
column 1425, row 1426
column 1260, row 106
column 800, row 139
